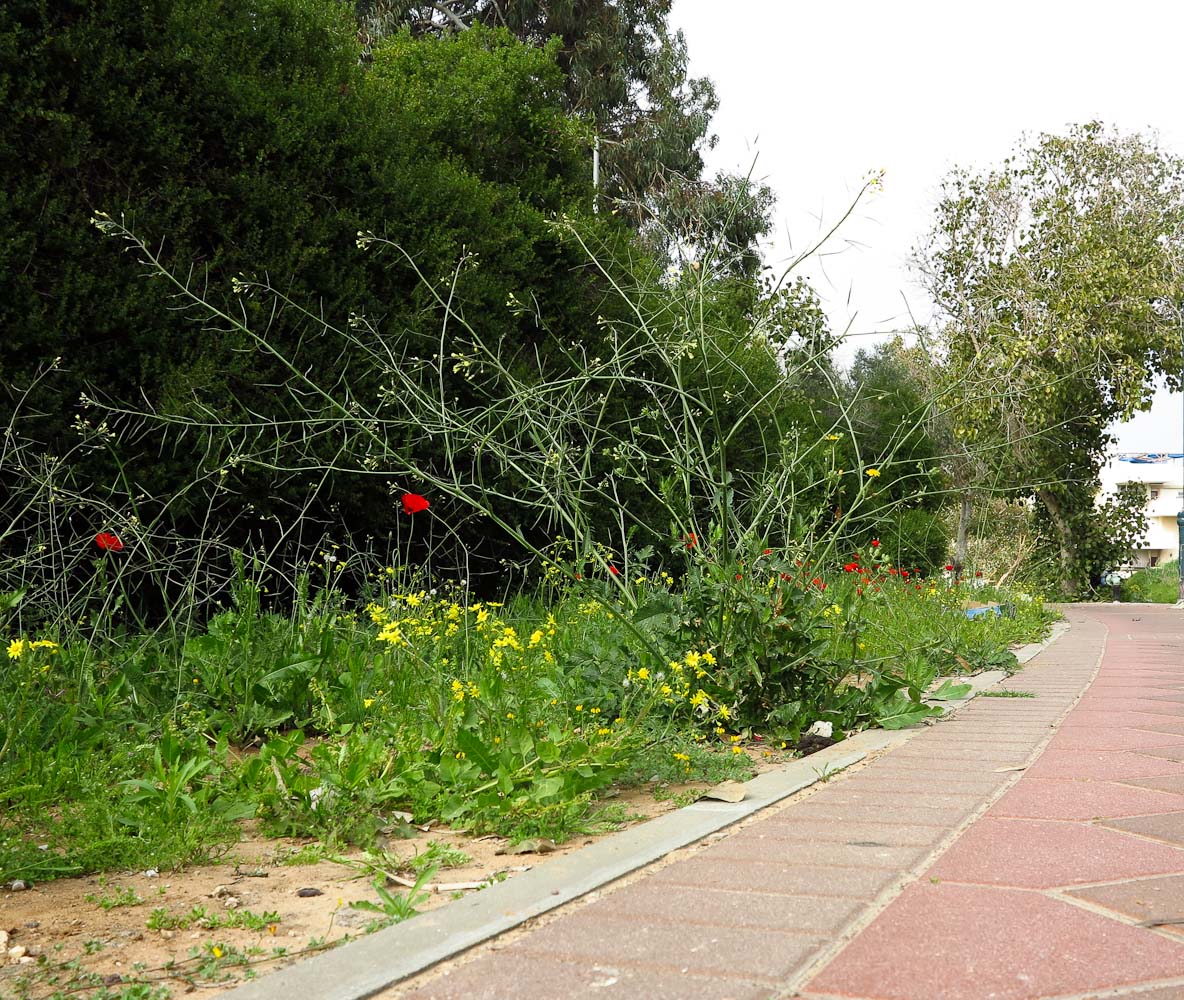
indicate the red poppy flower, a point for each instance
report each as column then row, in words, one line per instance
column 108, row 542
column 875, row 543
column 614, row 571
column 768, row 552
column 739, row 576
column 413, row 503
column 692, row 541
column 816, row 582
column 949, row 568
column 978, row 572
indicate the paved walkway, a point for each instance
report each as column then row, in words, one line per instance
column 1015, row 851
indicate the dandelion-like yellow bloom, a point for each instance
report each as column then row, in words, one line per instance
column 642, row 675
column 873, row 473
column 16, row 648
column 692, row 659
column 699, row 698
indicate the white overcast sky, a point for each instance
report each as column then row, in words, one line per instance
column 814, row 96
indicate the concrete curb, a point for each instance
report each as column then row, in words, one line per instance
column 373, row 963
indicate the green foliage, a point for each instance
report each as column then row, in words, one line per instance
column 1158, row 585
column 1060, row 281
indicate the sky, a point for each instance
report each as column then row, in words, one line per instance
column 815, row 97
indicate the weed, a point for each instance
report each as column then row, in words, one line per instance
column 395, row 907
column 437, row 855
column 199, row 916
column 126, row 896
column 1007, row 694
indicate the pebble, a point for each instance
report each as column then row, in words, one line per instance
column 18, row 885
column 17, row 951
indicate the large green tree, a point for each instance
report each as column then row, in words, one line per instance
column 626, row 75
column 1059, row 282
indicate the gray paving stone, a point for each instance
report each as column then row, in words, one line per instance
column 685, row 905
column 511, row 975
column 774, row 877
column 699, row 949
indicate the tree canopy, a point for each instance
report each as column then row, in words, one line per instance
column 1060, row 283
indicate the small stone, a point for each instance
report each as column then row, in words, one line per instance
column 168, row 935
column 305, row 893
column 19, row 885
column 17, row 951
column 26, row 960
column 152, row 873
column 3, row 940
column 221, row 892
column 112, row 980
column 232, row 903
column 32, row 924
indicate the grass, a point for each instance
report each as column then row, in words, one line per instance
column 1006, row 694
column 1158, row 585
column 336, row 717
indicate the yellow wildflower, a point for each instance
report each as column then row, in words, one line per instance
column 873, row 473
column 16, row 648
column 642, row 675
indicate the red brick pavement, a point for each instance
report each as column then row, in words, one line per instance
column 979, row 860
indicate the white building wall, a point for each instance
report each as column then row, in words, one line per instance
column 1163, row 478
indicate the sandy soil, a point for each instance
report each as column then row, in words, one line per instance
column 60, row 937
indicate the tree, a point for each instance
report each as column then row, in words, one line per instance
column 626, row 76
column 1059, row 281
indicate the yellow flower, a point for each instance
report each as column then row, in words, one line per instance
column 216, row 951
column 724, row 713
column 579, row 708
column 709, row 659
column 682, row 756
column 737, row 749
column 832, row 437
column 16, row 648
column 44, row 644
column 874, row 473
column 699, row 698
column 367, row 702
column 643, row 674
column 603, row 732
column 692, row 659
column 536, row 636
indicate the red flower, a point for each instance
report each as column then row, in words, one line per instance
column 614, row 571
column 875, row 543
column 904, row 574
column 413, row 503
column 768, row 552
column 816, row 582
column 108, row 542
column 739, row 576
column 949, row 568
column 692, row 541
column 978, row 572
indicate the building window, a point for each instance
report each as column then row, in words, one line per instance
column 1155, row 494
column 1154, row 562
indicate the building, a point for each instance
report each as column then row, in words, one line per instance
column 1162, row 475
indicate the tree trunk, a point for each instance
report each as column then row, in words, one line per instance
column 1065, row 538
column 963, row 527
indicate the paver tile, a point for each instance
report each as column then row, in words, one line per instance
column 1164, row 753
column 1070, row 798
column 891, row 834
column 1141, row 899
column 1112, row 765
column 1168, row 827
column 1117, row 738
column 775, row 843
column 1038, row 854
column 968, row 943
column 1135, row 720
column 511, row 975
column 664, row 903
column 775, row 877
column 814, row 810
column 697, row 949
column 1164, row 783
